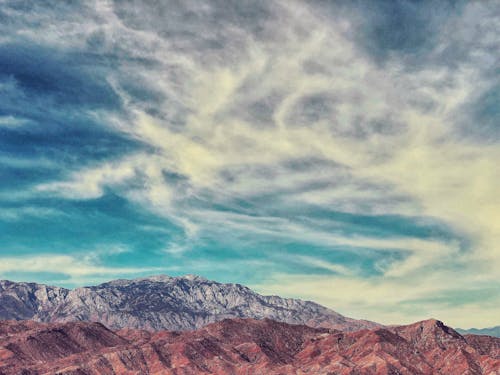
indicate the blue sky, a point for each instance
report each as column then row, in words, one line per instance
column 339, row 151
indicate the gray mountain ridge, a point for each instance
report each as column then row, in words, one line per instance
column 161, row 303
column 490, row 331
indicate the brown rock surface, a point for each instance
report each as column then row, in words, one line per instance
column 243, row 346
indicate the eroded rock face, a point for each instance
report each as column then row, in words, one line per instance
column 244, row 346
column 26, row 300
column 162, row 303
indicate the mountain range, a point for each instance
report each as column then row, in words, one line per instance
column 189, row 325
column 162, row 303
column 491, row 331
column 243, row 346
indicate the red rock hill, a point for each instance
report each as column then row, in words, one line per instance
column 243, row 346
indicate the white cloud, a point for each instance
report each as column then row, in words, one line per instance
column 388, row 126
column 76, row 269
column 12, row 122
column 18, row 213
column 315, row 262
column 90, row 183
column 391, row 300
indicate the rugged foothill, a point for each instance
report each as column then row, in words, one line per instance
column 243, row 346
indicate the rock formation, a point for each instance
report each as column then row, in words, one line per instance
column 243, row 346
column 161, row 303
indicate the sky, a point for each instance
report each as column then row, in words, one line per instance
column 344, row 152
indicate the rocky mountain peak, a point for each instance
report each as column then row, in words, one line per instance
column 163, row 302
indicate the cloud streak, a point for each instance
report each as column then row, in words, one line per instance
column 69, row 269
column 289, row 126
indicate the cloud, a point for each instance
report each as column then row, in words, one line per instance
column 264, row 124
column 17, row 213
column 12, row 122
column 314, row 262
column 90, row 183
column 390, row 300
column 70, row 269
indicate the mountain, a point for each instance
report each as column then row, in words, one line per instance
column 25, row 300
column 492, row 331
column 162, row 303
column 243, row 346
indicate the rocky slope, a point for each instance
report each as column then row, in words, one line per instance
column 161, row 303
column 25, row 300
column 244, row 346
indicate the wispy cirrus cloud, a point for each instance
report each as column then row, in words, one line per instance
column 267, row 131
column 68, row 269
